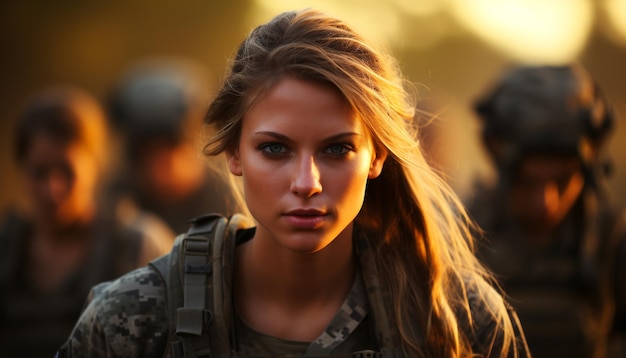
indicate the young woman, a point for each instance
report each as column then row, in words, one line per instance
column 359, row 248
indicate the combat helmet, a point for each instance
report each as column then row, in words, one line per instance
column 158, row 98
column 545, row 110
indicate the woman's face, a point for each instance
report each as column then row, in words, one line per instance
column 304, row 158
column 61, row 180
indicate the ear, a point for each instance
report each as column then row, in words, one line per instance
column 234, row 164
column 376, row 167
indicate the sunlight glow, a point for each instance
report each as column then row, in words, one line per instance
column 533, row 31
column 615, row 11
column 539, row 31
column 378, row 20
column 419, row 7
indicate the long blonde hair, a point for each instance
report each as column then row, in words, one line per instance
column 421, row 232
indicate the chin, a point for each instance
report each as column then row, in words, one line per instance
column 305, row 243
column 306, row 247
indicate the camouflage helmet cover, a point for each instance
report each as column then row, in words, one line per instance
column 546, row 109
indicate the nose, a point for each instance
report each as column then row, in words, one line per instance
column 306, row 179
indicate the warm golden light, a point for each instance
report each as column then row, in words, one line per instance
column 539, row 31
column 533, row 31
column 615, row 11
column 419, row 7
column 376, row 19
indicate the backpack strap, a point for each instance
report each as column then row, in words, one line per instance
column 185, row 271
column 200, row 307
column 197, row 273
column 166, row 266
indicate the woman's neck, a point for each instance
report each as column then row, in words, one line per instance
column 285, row 270
column 292, row 295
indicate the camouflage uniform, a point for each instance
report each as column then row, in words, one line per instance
column 128, row 318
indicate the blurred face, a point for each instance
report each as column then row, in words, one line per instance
column 305, row 159
column 544, row 191
column 61, row 180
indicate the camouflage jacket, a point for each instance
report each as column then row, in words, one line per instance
column 128, row 318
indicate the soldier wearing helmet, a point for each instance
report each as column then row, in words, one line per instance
column 157, row 107
column 548, row 222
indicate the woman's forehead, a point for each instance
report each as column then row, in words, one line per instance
column 294, row 101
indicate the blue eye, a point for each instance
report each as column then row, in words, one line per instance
column 273, row 148
column 338, row 149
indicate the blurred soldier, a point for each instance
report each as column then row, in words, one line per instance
column 157, row 108
column 56, row 249
column 548, row 222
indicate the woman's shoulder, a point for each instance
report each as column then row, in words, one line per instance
column 482, row 294
column 125, row 317
column 144, row 284
column 488, row 318
column 477, row 305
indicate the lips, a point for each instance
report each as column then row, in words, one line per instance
column 306, row 219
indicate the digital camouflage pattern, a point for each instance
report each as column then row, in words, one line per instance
column 348, row 332
column 128, row 318
column 124, row 318
column 352, row 312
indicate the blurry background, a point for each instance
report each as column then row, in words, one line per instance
column 451, row 49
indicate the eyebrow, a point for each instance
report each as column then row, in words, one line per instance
column 333, row 138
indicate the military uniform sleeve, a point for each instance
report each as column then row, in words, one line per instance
column 487, row 326
column 123, row 318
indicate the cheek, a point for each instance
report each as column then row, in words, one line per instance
column 348, row 184
column 262, row 179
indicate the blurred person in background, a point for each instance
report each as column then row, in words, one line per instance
column 157, row 108
column 549, row 225
column 53, row 250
